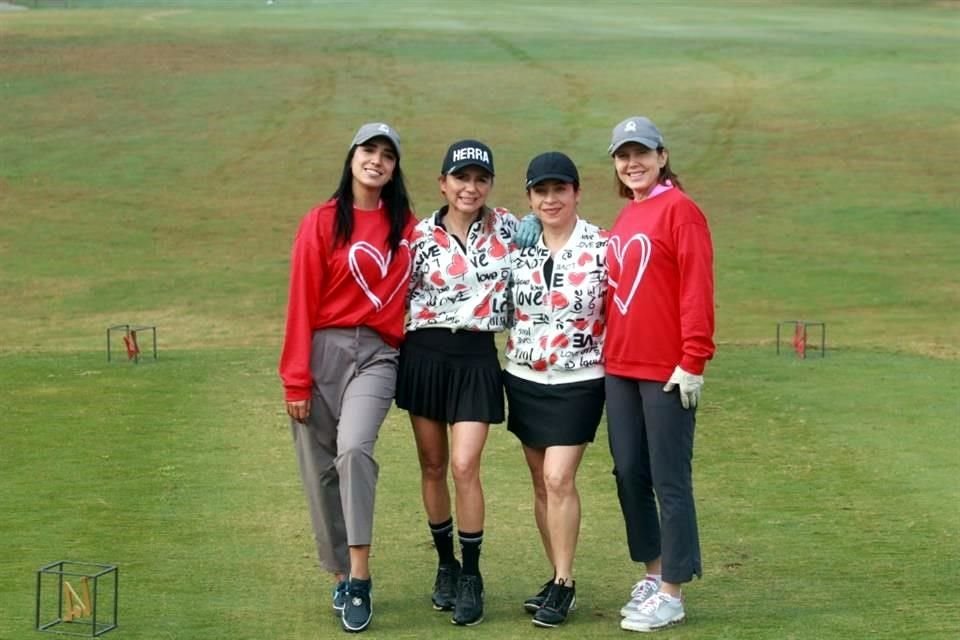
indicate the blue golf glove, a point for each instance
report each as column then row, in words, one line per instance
column 689, row 384
column 528, row 232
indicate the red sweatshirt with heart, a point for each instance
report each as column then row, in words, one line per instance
column 360, row 283
column 660, row 309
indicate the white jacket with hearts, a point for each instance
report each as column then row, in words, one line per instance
column 558, row 326
column 459, row 288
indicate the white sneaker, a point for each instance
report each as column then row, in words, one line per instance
column 641, row 592
column 658, row 612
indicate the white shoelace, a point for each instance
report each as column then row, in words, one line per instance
column 653, row 603
column 644, row 589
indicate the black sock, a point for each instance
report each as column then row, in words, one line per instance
column 470, row 549
column 443, row 540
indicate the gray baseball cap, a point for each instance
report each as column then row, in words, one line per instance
column 373, row 130
column 636, row 129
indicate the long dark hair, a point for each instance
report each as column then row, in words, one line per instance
column 394, row 197
column 666, row 173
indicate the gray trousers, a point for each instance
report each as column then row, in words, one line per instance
column 651, row 441
column 354, row 376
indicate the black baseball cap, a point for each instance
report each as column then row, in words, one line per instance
column 466, row 153
column 552, row 165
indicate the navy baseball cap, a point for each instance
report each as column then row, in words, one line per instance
column 552, row 165
column 466, row 153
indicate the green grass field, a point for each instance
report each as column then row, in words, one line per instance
column 155, row 158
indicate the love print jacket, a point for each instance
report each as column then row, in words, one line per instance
column 461, row 288
column 558, row 324
column 362, row 283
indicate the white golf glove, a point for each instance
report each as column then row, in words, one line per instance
column 689, row 384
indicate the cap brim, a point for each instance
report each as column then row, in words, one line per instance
column 551, row 176
column 469, row 163
column 365, row 140
column 647, row 142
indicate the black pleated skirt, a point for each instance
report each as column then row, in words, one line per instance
column 450, row 376
column 545, row 415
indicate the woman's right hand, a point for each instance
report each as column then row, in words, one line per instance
column 299, row 410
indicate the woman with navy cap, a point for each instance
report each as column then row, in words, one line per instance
column 554, row 376
column 660, row 324
column 450, row 378
column 349, row 271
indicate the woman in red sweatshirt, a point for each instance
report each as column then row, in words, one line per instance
column 348, row 283
column 660, row 322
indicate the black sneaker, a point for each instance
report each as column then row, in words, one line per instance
column 533, row 603
column 358, row 610
column 469, row 608
column 560, row 599
column 340, row 597
column 445, row 587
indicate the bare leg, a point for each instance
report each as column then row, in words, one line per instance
column 563, row 504
column 360, row 562
column 535, row 463
column 433, row 452
column 468, row 439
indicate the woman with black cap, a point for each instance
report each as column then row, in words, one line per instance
column 349, row 270
column 554, row 376
column 660, row 322
column 450, row 378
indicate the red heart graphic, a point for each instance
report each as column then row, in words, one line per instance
column 580, row 324
column 426, row 314
column 553, row 358
column 500, row 286
column 458, row 267
column 584, row 259
column 560, row 340
column 539, row 365
column 441, row 238
column 536, row 277
column 482, row 310
column 497, row 250
column 437, row 279
column 577, row 277
column 558, row 300
column 543, row 342
column 520, row 315
column 461, row 287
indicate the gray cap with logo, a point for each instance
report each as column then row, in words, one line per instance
column 636, row 129
column 373, row 130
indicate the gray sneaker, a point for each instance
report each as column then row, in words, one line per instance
column 641, row 591
column 658, row 612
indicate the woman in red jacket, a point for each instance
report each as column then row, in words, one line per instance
column 348, row 282
column 660, row 322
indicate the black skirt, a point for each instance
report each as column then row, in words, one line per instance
column 545, row 415
column 451, row 376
